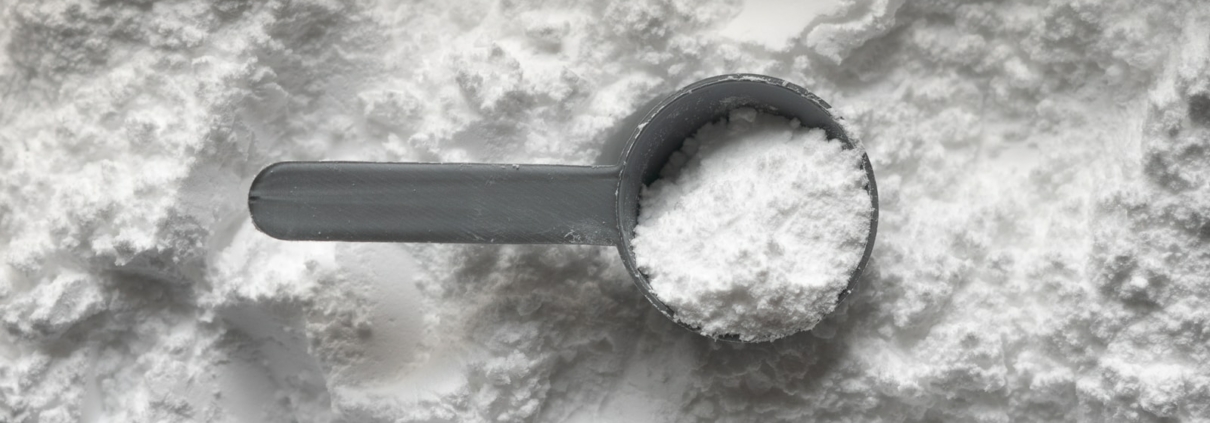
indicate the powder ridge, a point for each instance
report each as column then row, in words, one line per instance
column 755, row 227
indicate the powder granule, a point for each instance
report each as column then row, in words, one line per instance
column 757, row 234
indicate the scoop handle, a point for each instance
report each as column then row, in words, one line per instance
column 432, row 202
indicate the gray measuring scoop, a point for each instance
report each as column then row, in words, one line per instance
column 524, row 204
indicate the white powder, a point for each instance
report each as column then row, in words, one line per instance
column 759, row 231
column 1043, row 249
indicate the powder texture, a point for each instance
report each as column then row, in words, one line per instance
column 1043, row 250
column 755, row 227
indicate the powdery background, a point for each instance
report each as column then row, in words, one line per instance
column 1043, row 254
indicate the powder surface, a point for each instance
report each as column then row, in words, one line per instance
column 755, row 227
column 1043, row 250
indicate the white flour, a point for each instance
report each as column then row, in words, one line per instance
column 1043, row 251
column 755, row 227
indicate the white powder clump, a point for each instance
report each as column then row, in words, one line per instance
column 759, row 232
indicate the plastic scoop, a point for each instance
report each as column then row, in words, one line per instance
column 524, row 204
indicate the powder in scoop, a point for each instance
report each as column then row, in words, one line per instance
column 755, row 227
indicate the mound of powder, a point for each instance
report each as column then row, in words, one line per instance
column 755, row 227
